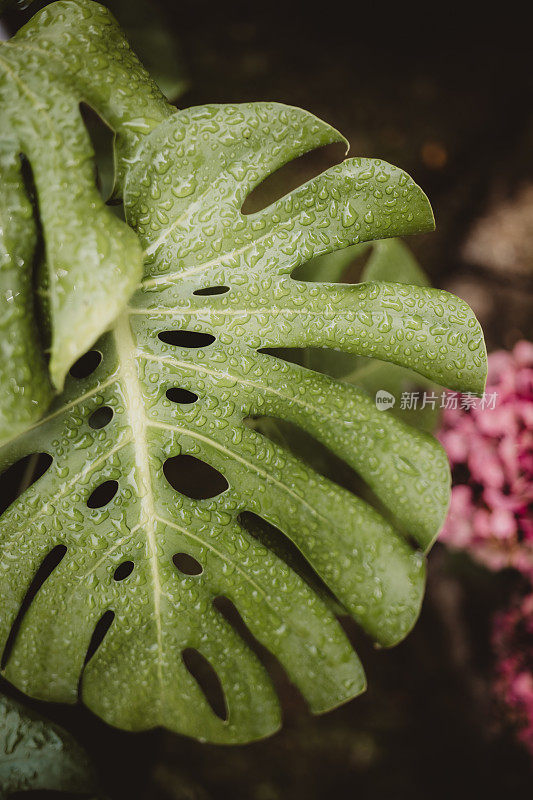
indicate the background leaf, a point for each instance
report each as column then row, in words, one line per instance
column 391, row 260
column 71, row 52
column 36, row 754
column 5, row 5
column 145, row 27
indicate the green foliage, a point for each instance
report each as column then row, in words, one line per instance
column 35, row 754
column 183, row 196
column 92, row 260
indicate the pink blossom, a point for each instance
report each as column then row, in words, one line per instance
column 512, row 641
column 490, row 447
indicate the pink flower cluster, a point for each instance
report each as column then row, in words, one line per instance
column 512, row 642
column 491, row 452
column 490, row 447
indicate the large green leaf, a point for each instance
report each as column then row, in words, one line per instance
column 189, row 393
column 73, row 52
column 36, row 754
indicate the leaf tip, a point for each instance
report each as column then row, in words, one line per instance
column 425, row 216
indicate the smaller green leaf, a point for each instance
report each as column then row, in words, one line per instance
column 25, row 390
column 36, row 754
column 373, row 375
column 391, row 260
column 72, row 52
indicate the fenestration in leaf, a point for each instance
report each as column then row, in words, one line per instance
column 74, row 52
column 181, row 371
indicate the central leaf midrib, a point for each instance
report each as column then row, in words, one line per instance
column 128, row 377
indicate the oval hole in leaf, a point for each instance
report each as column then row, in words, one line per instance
column 28, row 179
column 181, row 396
column 193, row 339
column 211, row 290
column 21, row 475
column 194, row 478
column 103, row 494
column 207, row 679
column 86, row 365
column 101, row 417
column 187, row 564
column 100, row 630
column 123, row 570
column 48, row 565
column 293, row 174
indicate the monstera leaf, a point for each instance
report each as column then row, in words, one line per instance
column 145, row 518
column 70, row 52
column 35, row 754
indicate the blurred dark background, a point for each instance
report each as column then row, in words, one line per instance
column 449, row 100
